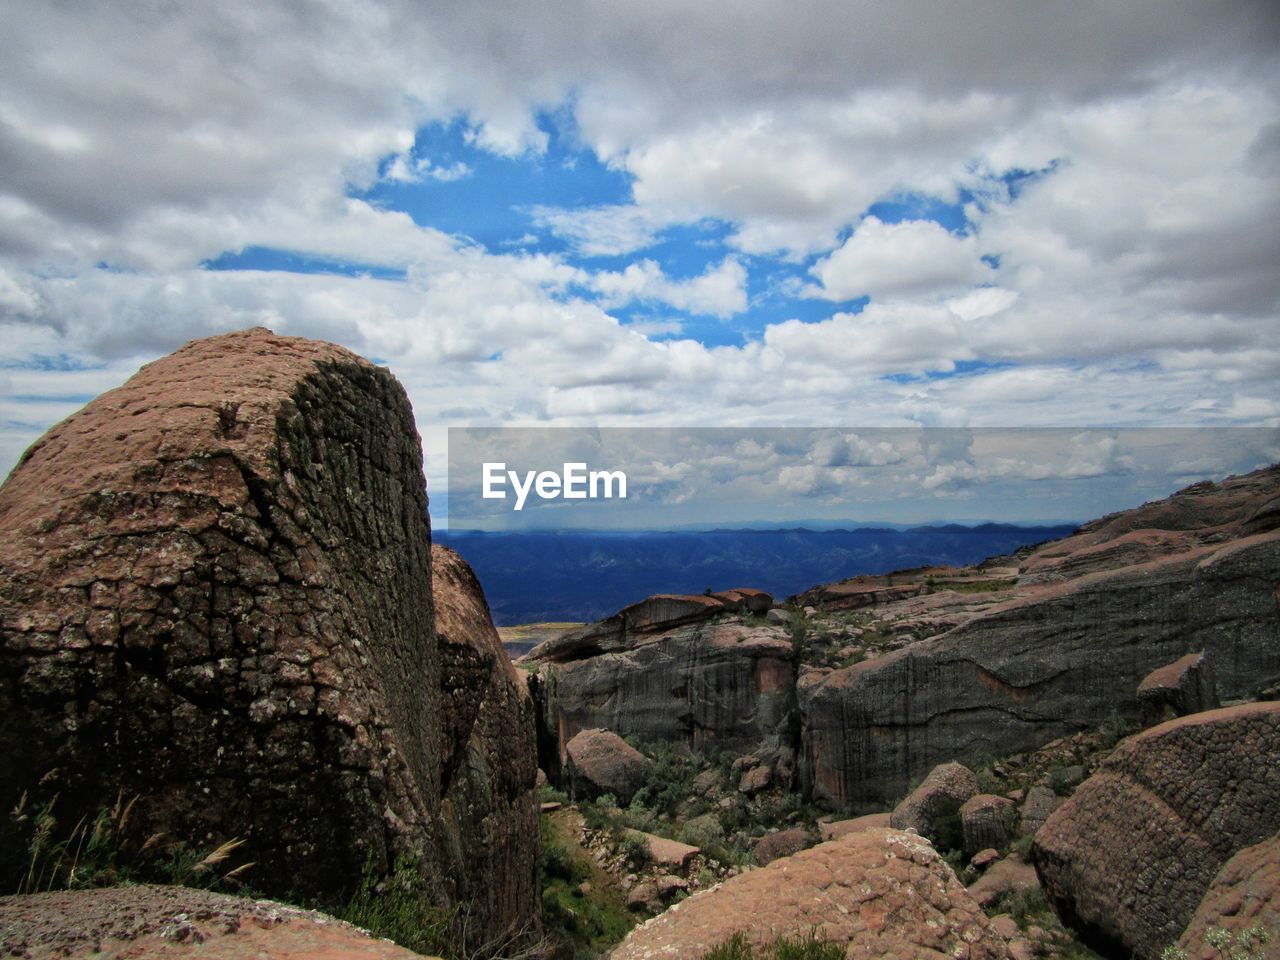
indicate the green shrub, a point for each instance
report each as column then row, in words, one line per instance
column 398, row 908
column 1248, row 944
column 811, row 947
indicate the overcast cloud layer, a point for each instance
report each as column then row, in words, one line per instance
column 970, row 214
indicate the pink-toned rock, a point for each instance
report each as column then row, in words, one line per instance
column 1128, row 859
column 1244, row 894
column 668, row 886
column 664, row 852
column 987, row 821
column 984, row 858
column 1012, row 874
column 755, row 780
column 932, row 808
column 601, row 762
column 782, row 843
column 745, row 600
column 172, row 923
column 1006, row 926
column 880, row 893
column 216, row 597
column 1183, row 687
column 841, row 828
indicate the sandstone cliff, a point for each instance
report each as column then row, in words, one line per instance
column 1060, row 643
column 215, row 594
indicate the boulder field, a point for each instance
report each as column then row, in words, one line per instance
column 967, row 664
column 216, row 599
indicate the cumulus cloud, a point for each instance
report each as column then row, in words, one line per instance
column 911, row 258
column 1131, row 279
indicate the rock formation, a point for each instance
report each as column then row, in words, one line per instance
column 599, row 762
column 711, row 685
column 987, row 821
column 1182, row 687
column 881, row 893
column 489, row 800
column 933, row 808
column 169, row 923
column 1130, row 856
column 1062, row 649
column 215, row 595
column 1245, row 893
column 780, row 843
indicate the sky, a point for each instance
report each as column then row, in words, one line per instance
column 605, row 213
column 653, row 478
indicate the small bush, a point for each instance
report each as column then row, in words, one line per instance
column 398, row 908
column 811, row 947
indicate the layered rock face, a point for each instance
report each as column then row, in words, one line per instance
column 1090, row 616
column 1129, row 857
column 879, row 893
column 711, row 685
column 215, row 594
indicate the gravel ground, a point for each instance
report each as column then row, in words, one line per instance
column 153, row 922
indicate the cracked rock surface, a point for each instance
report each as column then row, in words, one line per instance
column 879, row 893
column 215, row 595
column 169, row 923
column 1127, row 860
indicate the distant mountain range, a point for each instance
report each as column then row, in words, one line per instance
column 531, row 577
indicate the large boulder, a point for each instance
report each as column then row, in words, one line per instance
column 880, row 893
column 987, row 821
column 600, row 762
column 933, row 808
column 216, row 598
column 1177, row 689
column 1244, row 894
column 1127, row 860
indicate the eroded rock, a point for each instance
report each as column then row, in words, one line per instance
column 1245, row 893
column 1129, row 857
column 1183, row 687
column 600, row 762
column 933, row 808
column 215, row 596
column 881, row 893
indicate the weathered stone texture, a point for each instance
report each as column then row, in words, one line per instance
column 880, row 893
column 781, row 843
column 489, row 774
column 1245, row 893
column 1129, row 857
column 711, row 686
column 933, row 808
column 601, row 762
column 1180, row 688
column 987, row 821
column 146, row 922
column 1092, row 615
column 215, row 594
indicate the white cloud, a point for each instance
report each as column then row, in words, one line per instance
column 912, row 258
column 1136, row 284
column 721, row 291
column 602, row 231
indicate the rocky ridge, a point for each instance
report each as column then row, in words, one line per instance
column 873, row 681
